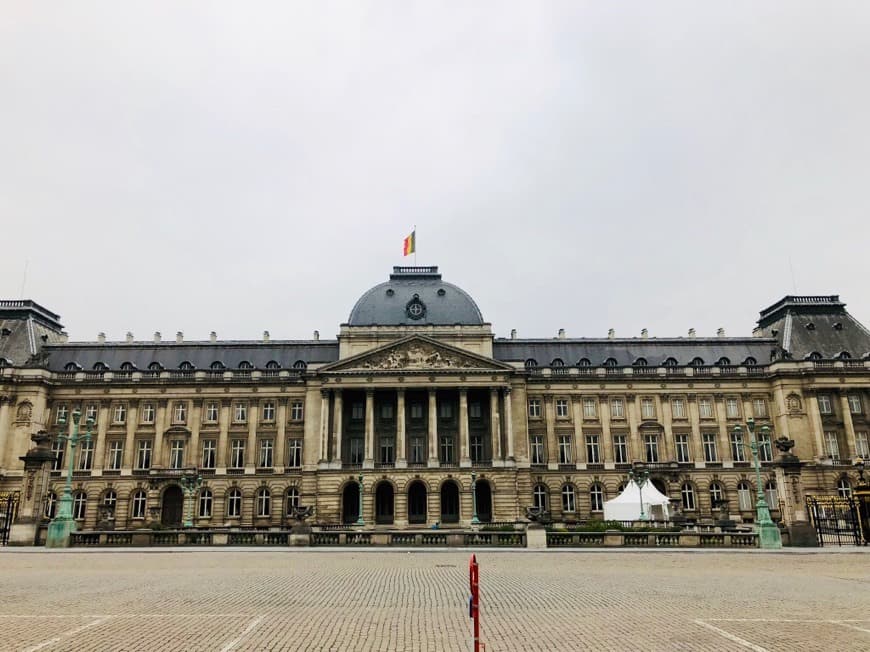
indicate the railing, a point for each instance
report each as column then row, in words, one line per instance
column 702, row 371
column 242, row 538
column 645, row 371
column 676, row 371
column 613, row 371
column 324, row 538
column 823, row 364
column 574, row 539
column 498, row 539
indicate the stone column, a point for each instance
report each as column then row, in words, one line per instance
column 663, row 409
column 509, row 426
column 433, row 428
column 192, row 458
column 550, row 423
column 5, row 431
column 695, row 425
column 337, row 425
column 369, row 461
column 159, row 430
column 632, row 418
column 130, row 439
column 223, row 438
column 781, row 414
column 851, row 442
column 401, row 461
column 605, row 440
column 252, row 452
column 724, row 436
column 102, row 429
column 812, row 402
column 579, row 444
column 495, row 425
column 464, row 443
column 281, row 443
column 324, row 425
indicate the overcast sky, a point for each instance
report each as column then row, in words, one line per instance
column 582, row 165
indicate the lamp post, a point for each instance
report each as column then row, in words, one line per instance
column 359, row 520
column 190, row 483
column 639, row 477
column 64, row 524
column 860, row 464
column 768, row 532
column 474, row 519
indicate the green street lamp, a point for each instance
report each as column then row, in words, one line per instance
column 359, row 520
column 768, row 533
column 190, row 483
column 63, row 524
column 639, row 477
column 474, row 519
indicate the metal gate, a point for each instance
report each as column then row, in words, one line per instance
column 836, row 520
column 8, row 510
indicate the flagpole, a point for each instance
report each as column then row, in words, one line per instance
column 415, row 244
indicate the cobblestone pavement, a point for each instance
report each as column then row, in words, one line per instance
column 239, row 600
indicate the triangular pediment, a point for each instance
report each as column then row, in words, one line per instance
column 416, row 353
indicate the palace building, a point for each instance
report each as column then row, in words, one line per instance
column 413, row 397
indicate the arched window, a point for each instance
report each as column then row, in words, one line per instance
column 80, row 504
column 584, row 362
column 155, row 366
column 292, row 500
column 101, row 366
column 540, row 497
column 558, row 367
column 640, row 362
column 844, row 488
column 845, row 355
column 244, row 364
column 697, row 362
column 234, row 502
column 272, row 364
column 531, row 363
column 71, row 366
column 186, row 366
column 557, row 362
column 596, row 498
column 723, row 362
column 687, row 495
column 264, row 502
column 110, row 499
column 569, row 499
column 750, row 362
column 138, row 504
column 50, row 505
column 770, row 494
column 217, row 365
column 716, row 494
column 610, row 362
column 206, row 500
column 744, row 496
column 815, row 355
column 670, row 362
column 300, row 365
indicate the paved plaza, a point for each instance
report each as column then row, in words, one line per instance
column 235, row 600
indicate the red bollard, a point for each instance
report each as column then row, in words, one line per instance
column 474, row 600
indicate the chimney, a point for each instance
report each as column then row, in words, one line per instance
column 720, row 332
column 156, row 336
column 129, row 337
column 691, row 333
column 561, row 333
column 611, row 334
column 179, row 338
column 644, row 333
column 513, row 333
column 316, row 335
column 265, row 336
column 212, row 337
column 101, row 338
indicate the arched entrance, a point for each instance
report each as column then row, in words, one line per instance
column 350, row 503
column 417, row 503
column 172, row 507
column 483, row 495
column 449, row 502
column 384, row 504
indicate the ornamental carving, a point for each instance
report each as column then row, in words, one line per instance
column 793, row 403
column 418, row 356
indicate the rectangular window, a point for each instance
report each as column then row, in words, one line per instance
column 862, row 445
column 534, row 408
column 143, row 454
column 705, row 408
column 738, row 453
column 86, row 455
column 855, row 404
column 831, row 445
column 474, row 410
column 651, row 447
column 62, row 414
column 416, row 410
column 176, row 454
column 240, row 412
column 387, row 450
column 357, row 450
column 418, row 450
column 116, row 455
column 678, row 408
column 268, row 411
column 476, row 443
column 682, row 442
column 148, row 413
column 647, row 408
column 824, row 404
column 617, row 409
column 765, row 453
column 211, row 412
column 709, row 440
column 447, row 450
column 732, row 409
column 296, row 411
column 387, row 411
column 237, row 454
column 590, row 408
column 536, row 449
column 445, row 410
column 265, row 460
column 759, row 408
column 209, row 453
column 620, row 449
column 562, row 408
column 294, row 452
column 120, row 413
column 357, row 411
column 593, row 453
column 58, row 447
column 179, row 412
column 91, row 413
column 565, row 448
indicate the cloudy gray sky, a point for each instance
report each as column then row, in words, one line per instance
column 582, row 165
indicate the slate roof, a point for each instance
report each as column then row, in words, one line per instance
column 386, row 303
column 24, row 327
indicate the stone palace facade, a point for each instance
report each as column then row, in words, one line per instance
column 415, row 395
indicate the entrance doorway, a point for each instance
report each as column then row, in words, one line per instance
column 350, row 503
column 417, row 503
column 483, row 495
column 449, row 502
column 384, row 504
column 172, row 507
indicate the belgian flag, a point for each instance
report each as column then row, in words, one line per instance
column 409, row 246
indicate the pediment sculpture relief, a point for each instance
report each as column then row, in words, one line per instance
column 418, row 356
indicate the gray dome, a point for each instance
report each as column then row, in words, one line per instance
column 415, row 296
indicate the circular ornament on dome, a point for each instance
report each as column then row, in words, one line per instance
column 415, row 309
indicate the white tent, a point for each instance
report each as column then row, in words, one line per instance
column 626, row 506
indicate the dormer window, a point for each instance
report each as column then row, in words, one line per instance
column 697, row 362
column 186, row 366
column 531, row 363
column 101, row 366
column 810, row 326
column 640, row 362
column 750, row 362
column 272, row 364
column 155, row 366
column 610, row 362
column 71, row 366
column 300, row 365
column 815, row 355
column 244, row 364
column 723, row 362
column 584, row 362
column 217, row 365
column 670, row 362
column 128, row 366
column 845, row 355
column 838, row 326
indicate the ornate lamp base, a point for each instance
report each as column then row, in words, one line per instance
column 58, row 533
